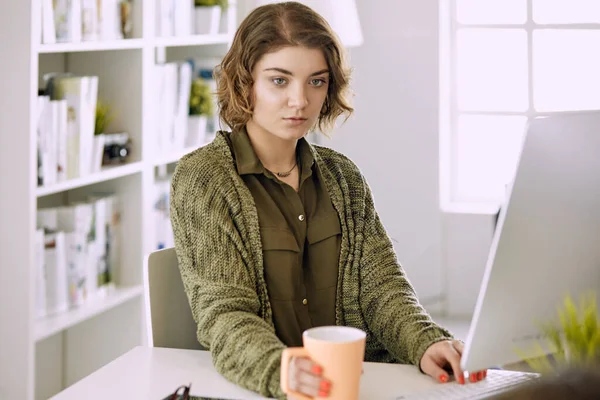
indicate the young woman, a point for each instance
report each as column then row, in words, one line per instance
column 275, row 235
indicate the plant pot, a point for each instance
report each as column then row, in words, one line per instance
column 196, row 133
column 207, row 20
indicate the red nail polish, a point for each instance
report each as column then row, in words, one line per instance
column 473, row 377
column 323, row 393
column 316, row 369
column 443, row 378
column 480, row 375
column 485, row 374
column 324, row 385
column 461, row 379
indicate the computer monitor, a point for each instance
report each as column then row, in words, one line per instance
column 546, row 243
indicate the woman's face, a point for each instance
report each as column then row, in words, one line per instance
column 290, row 87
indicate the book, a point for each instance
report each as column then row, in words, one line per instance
column 76, row 221
column 40, row 275
column 81, row 96
column 48, row 26
column 55, row 272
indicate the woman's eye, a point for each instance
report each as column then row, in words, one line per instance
column 318, row 82
column 278, row 81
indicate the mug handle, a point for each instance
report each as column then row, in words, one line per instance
column 286, row 357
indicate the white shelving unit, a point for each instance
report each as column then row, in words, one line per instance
column 171, row 157
column 46, row 327
column 107, row 174
column 39, row 357
column 91, row 46
column 195, row 40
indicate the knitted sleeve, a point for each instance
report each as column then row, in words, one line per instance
column 219, row 285
column 387, row 298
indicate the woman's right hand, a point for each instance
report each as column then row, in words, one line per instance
column 306, row 377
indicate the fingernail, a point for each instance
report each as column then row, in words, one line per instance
column 316, row 369
column 443, row 378
column 480, row 375
column 323, row 393
column 485, row 373
column 325, row 385
column 473, row 377
column 461, row 379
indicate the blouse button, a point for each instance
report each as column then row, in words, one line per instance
column 301, row 217
column 304, row 301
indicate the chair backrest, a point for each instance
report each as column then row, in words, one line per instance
column 167, row 306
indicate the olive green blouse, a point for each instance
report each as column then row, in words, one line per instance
column 301, row 235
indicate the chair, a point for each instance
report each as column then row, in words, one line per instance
column 167, row 307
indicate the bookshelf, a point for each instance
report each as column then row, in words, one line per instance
column 41, row 356
column 172, row 157
column 106, row 174
column 194, row 40
column 91, row 46
column 46, row 327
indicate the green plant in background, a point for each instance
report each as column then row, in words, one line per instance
column 574, row 340
column 207, row 3
column 104, row 117
column 201, row 99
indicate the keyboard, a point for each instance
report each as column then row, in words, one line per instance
column 495, row 383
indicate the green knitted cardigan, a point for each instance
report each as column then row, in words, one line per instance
column 218, row 245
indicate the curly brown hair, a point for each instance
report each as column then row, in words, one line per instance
column 267, row 29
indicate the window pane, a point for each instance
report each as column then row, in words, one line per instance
column 488, row 148
column 566, row 11
column 491, row 11
column 492, row 69
column 566, row 70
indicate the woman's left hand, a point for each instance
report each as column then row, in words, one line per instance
column 441, row 355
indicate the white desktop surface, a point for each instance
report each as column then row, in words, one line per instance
column 150, row 373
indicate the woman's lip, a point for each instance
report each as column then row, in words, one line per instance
column 295, row 121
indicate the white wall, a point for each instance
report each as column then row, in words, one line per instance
column 394, row 138
column 466, row 240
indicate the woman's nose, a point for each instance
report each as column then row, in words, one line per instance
column 298, row 97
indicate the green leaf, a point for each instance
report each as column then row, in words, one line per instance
column 207, row 3
column 574, row 340
column 104, row 117
column 201, row 99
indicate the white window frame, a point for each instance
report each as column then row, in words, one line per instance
column 449, row 111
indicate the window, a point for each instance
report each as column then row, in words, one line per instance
column 502, row 63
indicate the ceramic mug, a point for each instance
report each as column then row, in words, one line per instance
column 339, row 350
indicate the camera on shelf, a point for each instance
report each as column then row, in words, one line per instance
column 117, row 147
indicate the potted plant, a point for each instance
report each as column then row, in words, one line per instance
column 201, row 107
column 110, row 148
column 572, row 341
column 104, row 117
column 207, row 16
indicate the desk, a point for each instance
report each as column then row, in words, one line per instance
column 150, row 373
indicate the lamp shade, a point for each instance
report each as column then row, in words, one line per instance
column 342, row 15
